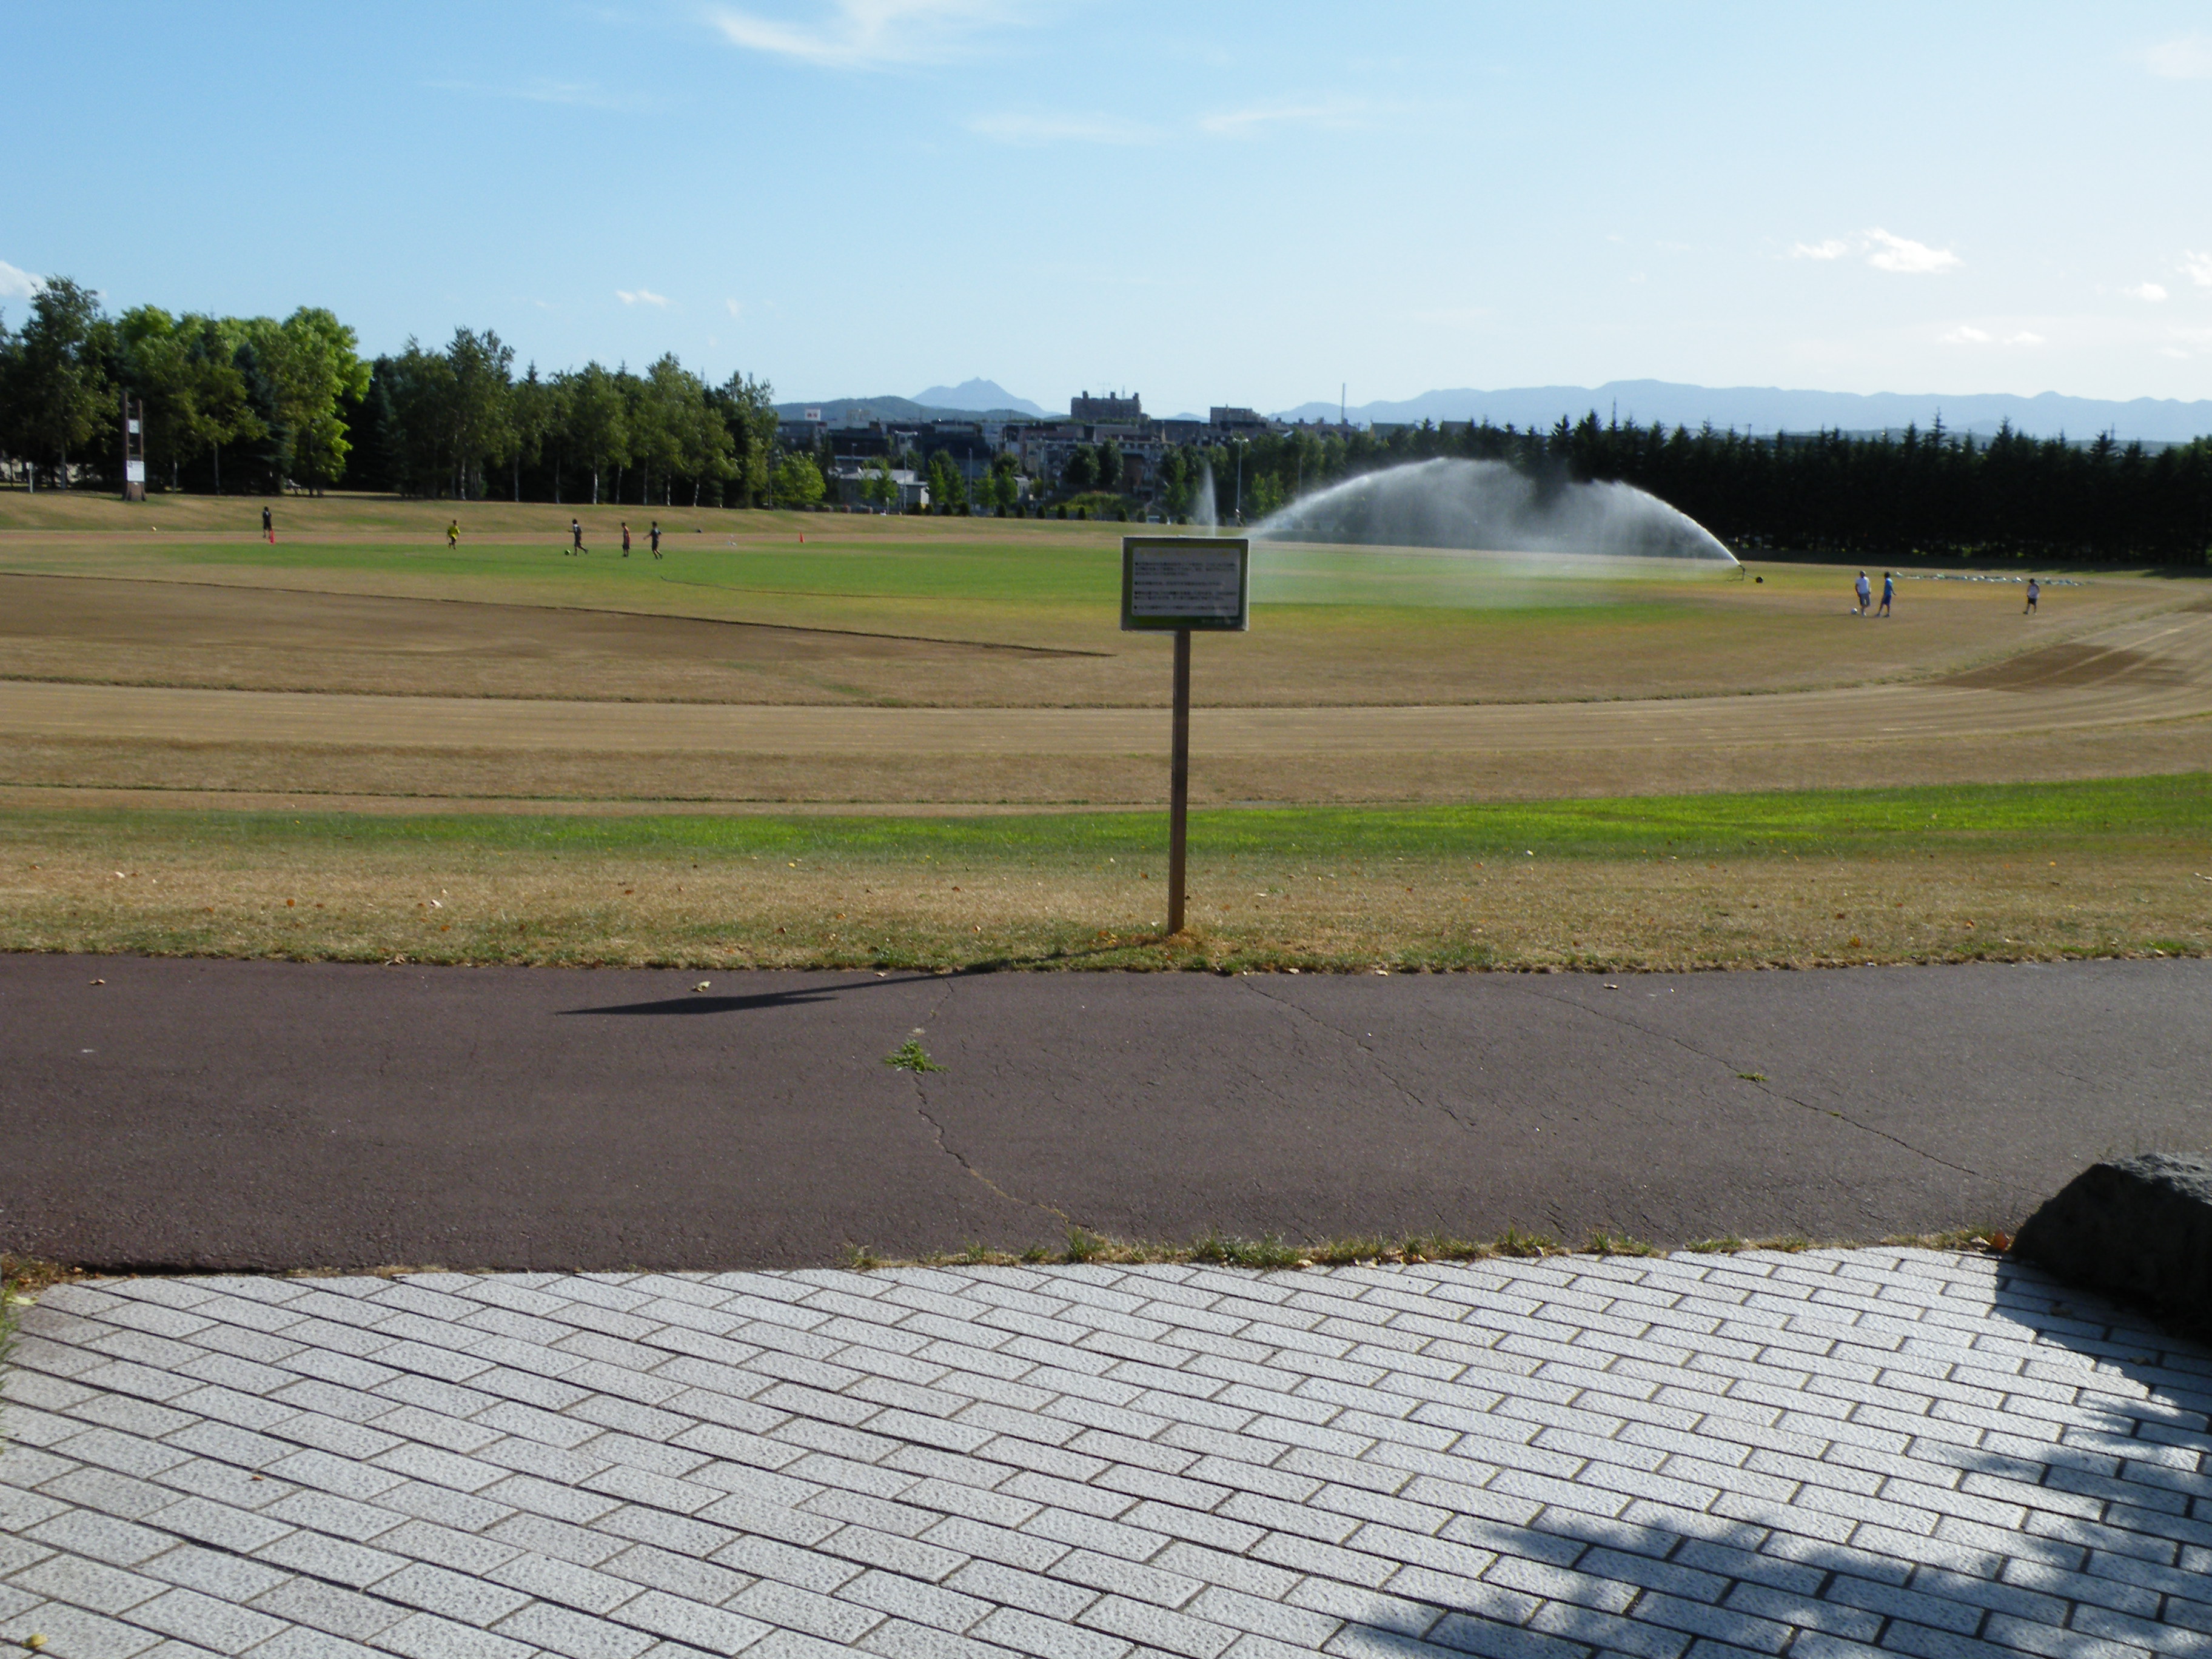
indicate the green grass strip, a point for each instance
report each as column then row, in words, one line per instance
column 1796, row 823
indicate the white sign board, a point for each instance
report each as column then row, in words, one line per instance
column 134, row 472
column 1170, row 582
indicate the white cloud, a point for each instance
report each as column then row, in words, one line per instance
column 2153, row 292
column 1883, row 251
column 864, row 34
column 2199, row 267
column 2025, row 338
column 2185, row 57
column 1014, row 128
column 16, row 284
column 1334, row 114
column 642, row 296
column 1908, row 258
column 735, row 307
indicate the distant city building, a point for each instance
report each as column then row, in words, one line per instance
column 1114, row 410
column 1228, row 418
column 850, row 484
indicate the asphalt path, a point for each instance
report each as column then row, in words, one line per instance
column 269, row 1114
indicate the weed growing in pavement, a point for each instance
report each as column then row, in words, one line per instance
column 1602, row 1242
column 1268, row 1252
column 1084, row 1245
column 1514, row 1242
column 909, row 1056
column 1726, row 1244
column 858, row 1258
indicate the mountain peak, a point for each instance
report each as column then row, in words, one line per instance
column 978, row 394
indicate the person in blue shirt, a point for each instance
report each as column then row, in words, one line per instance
column 1888, row 590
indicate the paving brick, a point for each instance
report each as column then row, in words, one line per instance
column 1049, row 1638
column 466, row 1598
column 221, row 1627
column 935, row 1606
column 329, row 1608
column 791, row 1608
column 93, row 1584
column 580, row 1587
column 1156, row 1627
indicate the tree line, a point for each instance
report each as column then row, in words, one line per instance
column 256, row 405
column 1934, row 492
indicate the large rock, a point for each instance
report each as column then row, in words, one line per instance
column 2139, row 1228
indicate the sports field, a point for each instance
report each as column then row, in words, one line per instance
column 175, row 692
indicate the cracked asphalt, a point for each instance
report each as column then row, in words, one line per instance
column 253, row 1115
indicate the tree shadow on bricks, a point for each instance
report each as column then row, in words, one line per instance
column 2025, row 1480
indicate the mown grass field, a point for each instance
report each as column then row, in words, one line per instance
column 2009, row 873
column 1394, row 629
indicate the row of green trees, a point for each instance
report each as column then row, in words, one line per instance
column 262, row 395
column 251, row 403
column 1935, row 493
column 258, row 404
column 458, row 423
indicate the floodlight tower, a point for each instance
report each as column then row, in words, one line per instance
column 134, row 447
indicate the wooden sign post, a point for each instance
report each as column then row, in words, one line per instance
column 1184, row 585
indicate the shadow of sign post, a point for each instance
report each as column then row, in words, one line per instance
column 1184, row 585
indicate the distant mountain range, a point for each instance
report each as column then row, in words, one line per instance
column 1752, row 408
column 1770, row 409
column 984, row 396
column 936, row 403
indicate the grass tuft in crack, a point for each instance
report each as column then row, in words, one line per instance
column 910, row 1056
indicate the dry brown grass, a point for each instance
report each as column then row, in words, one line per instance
column 396, row 615
column 406, row 778
column 128, row 886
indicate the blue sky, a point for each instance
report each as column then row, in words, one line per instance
column 1211, row 202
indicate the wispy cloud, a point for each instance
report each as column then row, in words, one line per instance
column 575, row 94
column 17, row 284
column 1908, row 258
column 1020, row 128
column 1882, row 250
column 2185, row 57
column 641, row 296
column 2199, row 267
column 1333, row 114
column 2153, row 292
column 1966, row 334
column 866, row 34
column 735, row 307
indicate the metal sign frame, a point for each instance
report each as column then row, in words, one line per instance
column 1140, row 549
column 1208, row 615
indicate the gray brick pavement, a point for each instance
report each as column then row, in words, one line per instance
column 1836, row 1453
